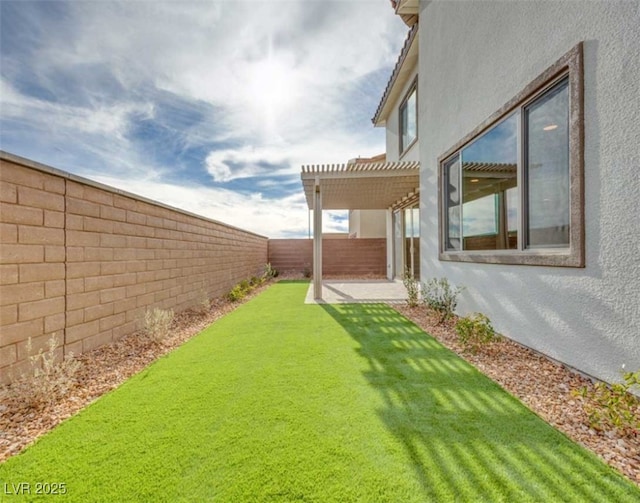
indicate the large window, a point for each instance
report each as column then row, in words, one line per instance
column 512, row 191
column 409, row 119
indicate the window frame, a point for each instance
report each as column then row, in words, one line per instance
column 402, row 149
column 571, row 67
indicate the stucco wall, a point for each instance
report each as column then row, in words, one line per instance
column 368, row 223
column 474, row 57
column 83, row 261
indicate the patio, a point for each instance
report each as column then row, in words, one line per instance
column 337, row 291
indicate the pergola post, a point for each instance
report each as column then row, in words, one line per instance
column 317, row 241
column 390, row 244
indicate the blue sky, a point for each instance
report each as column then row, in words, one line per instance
column 207, row 106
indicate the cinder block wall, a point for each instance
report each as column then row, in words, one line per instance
column 365, row 257
column 291, row 255
column 84, row 261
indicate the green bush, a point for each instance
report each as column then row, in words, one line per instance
column 613, row 406
column 441, row 297
column 412, row 286
column 237, row 293
column 475, row 331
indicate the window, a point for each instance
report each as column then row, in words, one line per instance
column 512, row 191
column 409, row 119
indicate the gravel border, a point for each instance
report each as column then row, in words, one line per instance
column 102, row 370
column 543, row 385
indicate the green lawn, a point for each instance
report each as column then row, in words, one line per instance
column 281, row 401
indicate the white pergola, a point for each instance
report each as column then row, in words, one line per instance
column 355, row 186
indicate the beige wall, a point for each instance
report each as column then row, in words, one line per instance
column 368, row 223
column 339, row 256
column 83, row 261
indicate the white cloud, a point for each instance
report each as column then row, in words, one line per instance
column 246, row 89
column 104, row 119
column 220, row 163
column 272, row 218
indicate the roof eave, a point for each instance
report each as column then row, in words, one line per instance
column 401, row 73
column 407, row 10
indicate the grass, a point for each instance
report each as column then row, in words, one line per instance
column 281, row 401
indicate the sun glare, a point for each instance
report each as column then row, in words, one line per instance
column 272, row 89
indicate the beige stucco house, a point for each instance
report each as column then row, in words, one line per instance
column 523, row 121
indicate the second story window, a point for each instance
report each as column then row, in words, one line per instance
column 409, row 119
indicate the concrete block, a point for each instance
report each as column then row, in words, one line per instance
column 8, row 315
column 55, row 323
column 96, row 341
column 54, row 219
column 8, row 233
column 82, row 300
column 18, row 214
column 20, row 175
column 41, row 272
column 111, row 213
column 40, row 309
column 22, row 292
column 8, row 193
column 32, row 235
column 21, row 331
column 82, row 207
column 55, row 288
column 8, row 355
column 82, row 331
column 54, row 253
column 97, row 195
column 35, row 198
column 99, row 311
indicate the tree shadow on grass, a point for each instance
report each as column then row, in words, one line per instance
column 466, row 438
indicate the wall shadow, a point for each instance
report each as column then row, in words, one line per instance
column 465, row 438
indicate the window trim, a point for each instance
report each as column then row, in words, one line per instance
column 403, row 149
column 570, row 65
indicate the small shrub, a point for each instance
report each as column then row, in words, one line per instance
column 236, row 294
column 157, row 323
column 47, row 380
column 613, row 406
column 204, row 304
column 412, row 286
column 441, row 297
column 270, row 272
column 475, row 331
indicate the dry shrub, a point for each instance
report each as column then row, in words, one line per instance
column 204, row 303
column 46, row 380
column 157, row 323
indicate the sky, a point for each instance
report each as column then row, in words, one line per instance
column 207, row 106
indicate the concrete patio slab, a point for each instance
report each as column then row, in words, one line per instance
column 359, row 292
